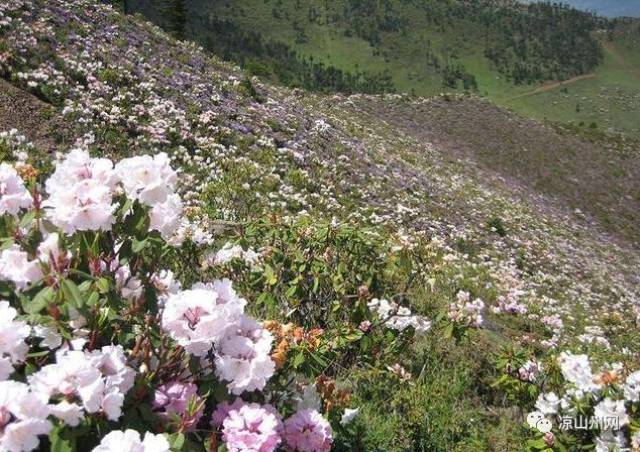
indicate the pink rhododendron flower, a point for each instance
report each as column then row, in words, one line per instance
column 13, row 194
column 252, row 428
column 178, row 399
column 13, row 348
column 199, row 317
column 308, row 431
column 23, row 417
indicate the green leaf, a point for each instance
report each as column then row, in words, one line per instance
column 298, row 360
column 448, row 331
column 72, row 293
column 39, row 302
column 27, row 219
column 139, row 245
column 93, row 299
column 176, row 441
column 103, row 285
column 269, row 275
column 61, row 440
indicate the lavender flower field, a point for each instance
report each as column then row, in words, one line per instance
column 192, row 259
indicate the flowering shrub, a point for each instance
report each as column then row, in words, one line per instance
column 573, row 406
column 99, row 335
column 276, row 274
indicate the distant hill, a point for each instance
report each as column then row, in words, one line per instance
column 547, row 61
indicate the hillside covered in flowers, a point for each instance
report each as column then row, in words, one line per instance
column 193, row 260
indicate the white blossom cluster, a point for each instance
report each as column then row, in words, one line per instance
column 210, row 318
column 467, row 312
column 230, row 252
column 82, row 382
column 398, row 317
column 13, row 194
column 82, row 188
column 583, row 387
column 13, row 348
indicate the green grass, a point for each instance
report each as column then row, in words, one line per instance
column 611, row 99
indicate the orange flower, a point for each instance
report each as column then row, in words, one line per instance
column 26, row 171
column 607, row 377
column 279, row 356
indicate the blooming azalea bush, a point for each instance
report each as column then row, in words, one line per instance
column 574, row 400
column 267, row 269
column 121, row 332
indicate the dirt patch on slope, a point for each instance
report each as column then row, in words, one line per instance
column 37, row 120
column 553, row 85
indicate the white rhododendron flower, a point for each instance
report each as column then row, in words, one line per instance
column 99, row 379
column 147, row 179
column 242, row 356
column 349, row 415
column 79, row 166
column 129, row 286
column 165, row 282
column 80, row 193
column 13, row 348
column 16, row 267
column 50, row 336
column 612, row 409
column 130, row 441
column 576, row 369
column 398, row 317
column 49, row 251
column 632, row 387
column 548, row 403
column 13, row 194
column 609, row 441
column 166, row 217
column 198, row 318
column 112, row 362
column 229, row 252
column 467, row 312
column 23, row 417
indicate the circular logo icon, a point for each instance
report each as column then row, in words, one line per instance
column 544, row 425
column 536, row 420
column 533, row 418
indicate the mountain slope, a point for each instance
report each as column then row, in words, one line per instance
column 425, row 48
column 256, row 157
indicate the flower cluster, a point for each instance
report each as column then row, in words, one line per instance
column 15, row 266
column 23, row 417
column 13, row 194
column 212, row 316
column 398, row 317
column 129, row 440
column 82, row 382
column 466, row 312
column 250, row 426
column 178, row 401
column 605, row 398
column 230, row 252
column 13, row 348
column 81, row 193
